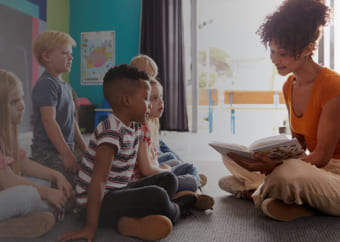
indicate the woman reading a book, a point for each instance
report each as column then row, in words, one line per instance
column 298, row 187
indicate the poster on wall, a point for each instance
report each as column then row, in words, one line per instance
column 97, row 56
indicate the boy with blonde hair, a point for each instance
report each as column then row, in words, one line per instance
column 145, row 63
column 55, row 130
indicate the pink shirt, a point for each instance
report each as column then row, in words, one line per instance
column 151, row 151
column 7, row 160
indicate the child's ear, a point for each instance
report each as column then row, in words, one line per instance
column 44, row 56
column 126, row 100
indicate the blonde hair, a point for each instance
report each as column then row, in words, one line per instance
column 153, row 123
column 142, row 61
column 8, row 132
column 48, row 41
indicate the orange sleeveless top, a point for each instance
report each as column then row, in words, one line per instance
column 326, row 86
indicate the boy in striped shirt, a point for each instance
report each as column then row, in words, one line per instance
column 140, row 209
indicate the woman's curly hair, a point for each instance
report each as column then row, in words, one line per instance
column 295, row 24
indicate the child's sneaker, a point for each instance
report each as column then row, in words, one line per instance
column 29, row 226
column 185, row 198
column 204, row 202
column 149, row 228
column 185, row 212
column 278, row 210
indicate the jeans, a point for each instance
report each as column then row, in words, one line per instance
column 188, row 178
column 169, row 159
column 166, row 153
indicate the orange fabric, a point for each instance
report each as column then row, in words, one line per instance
column 326, row 86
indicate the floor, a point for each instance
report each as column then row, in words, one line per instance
column 194, row 148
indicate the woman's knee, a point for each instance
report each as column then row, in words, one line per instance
column 291, row 171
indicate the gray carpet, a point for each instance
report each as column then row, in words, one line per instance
column 231, row 220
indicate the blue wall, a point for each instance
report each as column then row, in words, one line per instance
column 26, row 7
column 122, row 16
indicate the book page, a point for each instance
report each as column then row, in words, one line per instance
column 225, row 148
column 267, row 141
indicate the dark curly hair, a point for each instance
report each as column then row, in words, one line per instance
column 123, row 77
column 124, row 71
column 295, row 24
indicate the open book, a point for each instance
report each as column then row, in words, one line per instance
column 277, row 147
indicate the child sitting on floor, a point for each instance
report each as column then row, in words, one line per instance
column 107, row 199
column 26, row 198
column 188, row 179
column 165, row 155
column 147, row 64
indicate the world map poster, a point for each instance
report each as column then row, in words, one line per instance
column 97, row 56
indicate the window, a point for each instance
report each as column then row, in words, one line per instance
column 230, row 56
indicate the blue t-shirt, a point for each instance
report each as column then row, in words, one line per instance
column 51, row 91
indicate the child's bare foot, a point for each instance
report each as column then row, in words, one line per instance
column 29, row 226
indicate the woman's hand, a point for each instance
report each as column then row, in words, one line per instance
column 262, row 164
column 84, row 233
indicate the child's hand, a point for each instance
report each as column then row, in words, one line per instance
column 85, row 233
column 60, row 215
column 63, row 184
column 165, row 167
column 70, row 163
column 56, row 198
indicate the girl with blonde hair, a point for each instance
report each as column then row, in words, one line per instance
column 26, row 200
column 165, row 154
column 147, row 164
